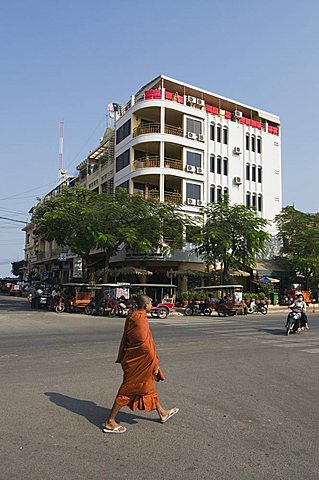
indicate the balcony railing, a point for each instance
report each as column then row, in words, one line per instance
column 156, row 128
column 173, row 163
column 173, row 197
column 172, row 130
column 144, row 129
column 154, row 161
column 147, row 162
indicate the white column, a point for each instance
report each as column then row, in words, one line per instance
column 161, row 186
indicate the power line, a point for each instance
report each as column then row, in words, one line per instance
column 13, row 220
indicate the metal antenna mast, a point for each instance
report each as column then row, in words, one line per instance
column 62, row 173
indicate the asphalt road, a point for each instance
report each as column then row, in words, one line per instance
column 248, row 399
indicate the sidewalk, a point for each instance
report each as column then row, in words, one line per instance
column 312, row 308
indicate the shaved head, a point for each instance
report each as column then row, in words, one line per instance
column 142, row 301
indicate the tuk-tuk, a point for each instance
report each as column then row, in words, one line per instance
column 78, row 295
column 224, row 299
column 162, row 295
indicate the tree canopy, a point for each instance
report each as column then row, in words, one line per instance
column 83, row 221
column 231, row 236
column 299, row 234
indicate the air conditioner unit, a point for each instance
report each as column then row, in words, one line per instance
column 192, row 135
column 237, row 114
column 201, row 137
column 200, row 102
column 200, row 170
column 191, row 99
column 190, row 168
column 199, row 203
column 237, row 181
column 191, row 201
column 237, row 151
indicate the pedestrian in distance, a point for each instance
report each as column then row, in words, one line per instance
column 140, row 364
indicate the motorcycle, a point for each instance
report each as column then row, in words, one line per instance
column 293, row 320
column 201, row 309
column 92, row 308
column 254, row 307
column 59, row 304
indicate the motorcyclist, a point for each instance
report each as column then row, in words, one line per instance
column 301, row 304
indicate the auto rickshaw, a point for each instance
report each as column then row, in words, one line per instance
column 78, row 295
column 226, row 300
column 162, row 295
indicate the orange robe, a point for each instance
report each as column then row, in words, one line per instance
column 137, row 355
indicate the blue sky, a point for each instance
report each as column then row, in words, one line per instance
column 66, row 60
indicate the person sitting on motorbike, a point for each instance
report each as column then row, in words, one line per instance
column 301, row 304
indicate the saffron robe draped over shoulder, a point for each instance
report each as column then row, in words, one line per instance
column 139, row 360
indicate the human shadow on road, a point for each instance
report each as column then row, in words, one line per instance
column 272, row 331
column 91, row 411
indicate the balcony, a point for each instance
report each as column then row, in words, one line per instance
column 145, row 129
column 172, row 197
column 172, row 130
column 156, row 128
column 154, row 161
column 173, row 163
column 147, row 162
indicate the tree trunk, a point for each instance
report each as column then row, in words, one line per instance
column 106, row 267
column 85, row 269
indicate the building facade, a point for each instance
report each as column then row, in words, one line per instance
column 179, row 143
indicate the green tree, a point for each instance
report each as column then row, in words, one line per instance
column 139, row 224
column 17, row 268
column 299, row 234
column 68, row 219
column 83, row 220
column 232, row 236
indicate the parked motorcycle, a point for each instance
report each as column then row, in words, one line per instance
column 293, row 320
column 195, row 309
column 254, row 307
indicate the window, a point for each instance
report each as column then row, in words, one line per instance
column 123, row 132
column 253, row 200
column 124, row 185
column 247, row 171
column 225, row 166
column 219, row 165
column 212, row 194
column 212, row 131
column 259, row 175
column 258, row 145
column 193, row 191
column 253, row 173
column 226, row 191
column 225, row 136
column 212, row 163
column 247, row 199
column 260, row 203
column 219, row 194
column 194, row 159
column 122, row 160
column 253, row 144
column 247, row 142
column 194, row 126
column 219, row 133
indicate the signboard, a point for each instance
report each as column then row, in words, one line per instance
column 77, row 267
column 45, row 274
column 63, row 257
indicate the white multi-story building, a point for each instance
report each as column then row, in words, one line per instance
column 179, row 143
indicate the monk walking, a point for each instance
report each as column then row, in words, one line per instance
column 140, row 364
